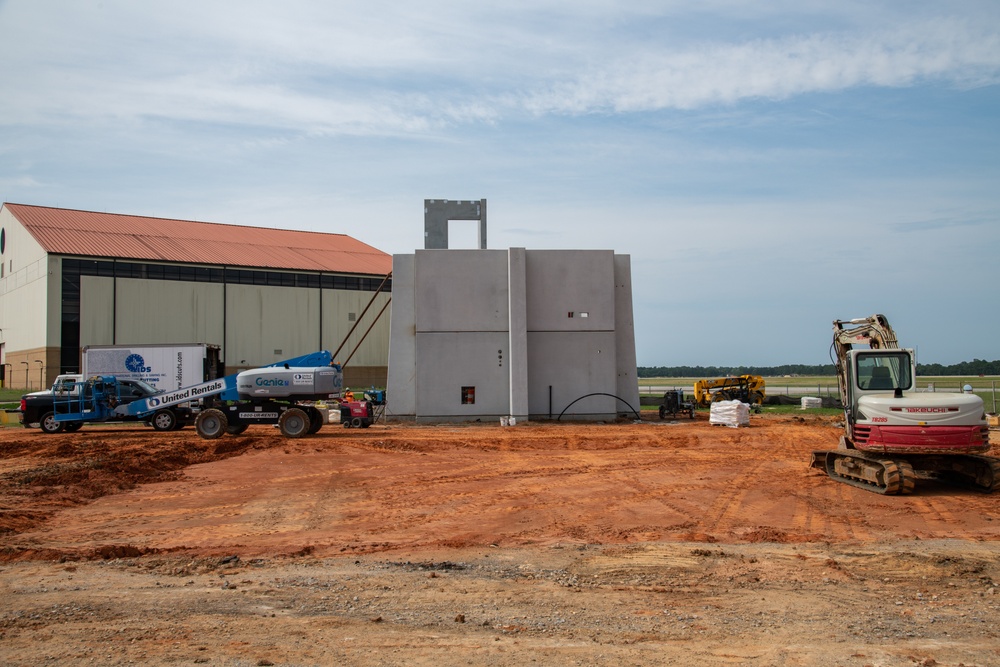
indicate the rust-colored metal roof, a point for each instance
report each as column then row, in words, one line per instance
column 111, row 235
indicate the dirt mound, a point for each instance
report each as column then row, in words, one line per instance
column 43, row 473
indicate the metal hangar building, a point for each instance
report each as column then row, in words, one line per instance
column 71, row 278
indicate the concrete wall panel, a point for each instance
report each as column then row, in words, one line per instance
column 574, row 364
column 446, row 362
column 401, row 386
column 570, row 281
column 518, row 334
column 461, row 290
column 628, row 379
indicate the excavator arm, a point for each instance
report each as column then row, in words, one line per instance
column 873, row 331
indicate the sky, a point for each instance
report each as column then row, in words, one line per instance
column 769, row 167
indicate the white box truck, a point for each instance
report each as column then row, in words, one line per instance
column 164, row 366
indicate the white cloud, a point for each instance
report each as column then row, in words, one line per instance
column 339, row 68
column 954, row 51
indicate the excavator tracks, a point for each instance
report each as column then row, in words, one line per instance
column 968, row 471
column 898, row 475
column 886, row 476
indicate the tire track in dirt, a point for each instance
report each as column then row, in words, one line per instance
column 385, row 488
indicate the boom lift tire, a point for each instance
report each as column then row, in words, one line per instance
column 294, row 423
column 211, row 423
column 72, row 427
column 315, row 421
column 164, row 420
column 49, row 424
column 236, row 429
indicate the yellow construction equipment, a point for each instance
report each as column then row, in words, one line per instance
column 746, row 388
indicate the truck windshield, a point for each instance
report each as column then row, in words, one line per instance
column 884, row 371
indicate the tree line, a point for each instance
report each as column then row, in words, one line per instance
column 974, row 367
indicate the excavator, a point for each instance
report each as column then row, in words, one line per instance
column 894, row 435
column 746, row 388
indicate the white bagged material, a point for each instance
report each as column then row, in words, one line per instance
column 730, row 413
column 811, row 402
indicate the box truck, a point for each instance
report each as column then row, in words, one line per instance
column 164, row 366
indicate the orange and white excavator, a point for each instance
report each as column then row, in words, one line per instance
column 893, row 434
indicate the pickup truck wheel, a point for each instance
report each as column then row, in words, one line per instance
column 294, row 423
column 164, row 420
column 49, row 424
column 211, row 424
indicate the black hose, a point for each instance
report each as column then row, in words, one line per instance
column 599, row 393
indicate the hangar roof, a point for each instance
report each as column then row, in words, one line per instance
column 112, row 235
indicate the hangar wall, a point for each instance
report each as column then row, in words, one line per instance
column 261, row 324
column 481, row 334
column 25, row 284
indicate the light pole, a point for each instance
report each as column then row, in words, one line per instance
column 26, row 374
column 41, row 368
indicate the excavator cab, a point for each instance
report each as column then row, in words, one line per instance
column 883, row 371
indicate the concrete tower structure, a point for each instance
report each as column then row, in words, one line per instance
column 482, row 334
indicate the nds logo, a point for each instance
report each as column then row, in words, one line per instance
column 136, row 364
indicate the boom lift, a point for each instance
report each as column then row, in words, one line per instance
column 893, row 435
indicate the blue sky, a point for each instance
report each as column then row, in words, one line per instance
column 768, row 166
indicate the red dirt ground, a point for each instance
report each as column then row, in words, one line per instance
column 629, row 497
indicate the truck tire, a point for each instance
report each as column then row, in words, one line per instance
column 49, row 424
column 294, row 423
column 164, row 420
column 211, row 424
